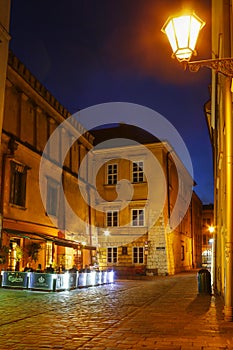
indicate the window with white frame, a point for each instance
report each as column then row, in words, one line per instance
column 112, row 174
column 138, row 171
column 112, row 255
column 52, row 197
column 112, row 218
column 138, row 255
column 138, row 217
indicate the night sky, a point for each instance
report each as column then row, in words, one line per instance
column 87, row 52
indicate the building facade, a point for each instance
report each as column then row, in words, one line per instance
column 37, row 226
column 134, row 209
column 219, row 117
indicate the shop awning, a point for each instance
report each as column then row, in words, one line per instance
column 45, row 237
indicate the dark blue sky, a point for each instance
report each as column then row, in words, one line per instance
column 88, row 52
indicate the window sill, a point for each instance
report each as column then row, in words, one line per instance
column 51, row 215
column 139, row 183
column 17, row 206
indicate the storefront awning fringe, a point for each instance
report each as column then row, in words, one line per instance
column 45, row 237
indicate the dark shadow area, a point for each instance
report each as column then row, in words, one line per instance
column 200, row 305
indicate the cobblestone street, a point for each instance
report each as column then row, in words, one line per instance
column 164, row 313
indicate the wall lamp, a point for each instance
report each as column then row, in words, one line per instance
column 182, row 33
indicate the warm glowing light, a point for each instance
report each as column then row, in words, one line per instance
column 82, row 280
column 182, row 33
column 66, row 277
column 106, row 232
column 100, row 277
column 211, row 229
column 93, row 277
column 104, row 276
column 110, row 276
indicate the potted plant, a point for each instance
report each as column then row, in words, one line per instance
column 33, row 251
column 4, row 250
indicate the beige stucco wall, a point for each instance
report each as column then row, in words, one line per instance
column 164, row 243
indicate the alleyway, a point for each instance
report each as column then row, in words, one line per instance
column 166, row 313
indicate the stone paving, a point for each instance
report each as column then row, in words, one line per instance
column 163, row 313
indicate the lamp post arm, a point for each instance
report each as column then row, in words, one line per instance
column 221, row 65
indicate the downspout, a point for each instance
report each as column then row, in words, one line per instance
column 168, row 191
column 89, row 206
column 170, row 266
column 228, row 308
column 229, row 203
column 214, row 114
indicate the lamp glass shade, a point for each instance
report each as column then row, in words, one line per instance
column 182, row 33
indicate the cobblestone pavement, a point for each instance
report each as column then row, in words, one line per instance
column 163, row 313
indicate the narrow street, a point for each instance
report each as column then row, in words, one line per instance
column 164, row 313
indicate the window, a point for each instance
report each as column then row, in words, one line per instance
column 137, row 217
column 204, row 240
column 124, row 250
column 112, row 255
column 52, row 197
column 138, row 174
column 112, row 174
column 49, row 253
column 206, row 222
column 138, row 256
column 18, row 184
column 182, row 253
column 112, row 218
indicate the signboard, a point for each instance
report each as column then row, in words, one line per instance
column 73, row 280
column 15, row 279
column 66, row 281
column 43, row 281
column 55, row 282
column 82, row 279
column 91, row 278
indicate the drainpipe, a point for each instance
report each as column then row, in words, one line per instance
column 227, row 110
column 168, row 191
column 228, row 309
column 193, row 255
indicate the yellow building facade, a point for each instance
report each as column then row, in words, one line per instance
column 36, row 231
column 219, row 116
column 134, row 207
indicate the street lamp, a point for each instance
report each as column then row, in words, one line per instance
column 106, row 232
column 211, row 229
column 182, row 33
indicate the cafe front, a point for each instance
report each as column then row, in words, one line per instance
column 39, row 248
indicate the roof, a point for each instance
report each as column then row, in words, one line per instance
column 124, row 131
